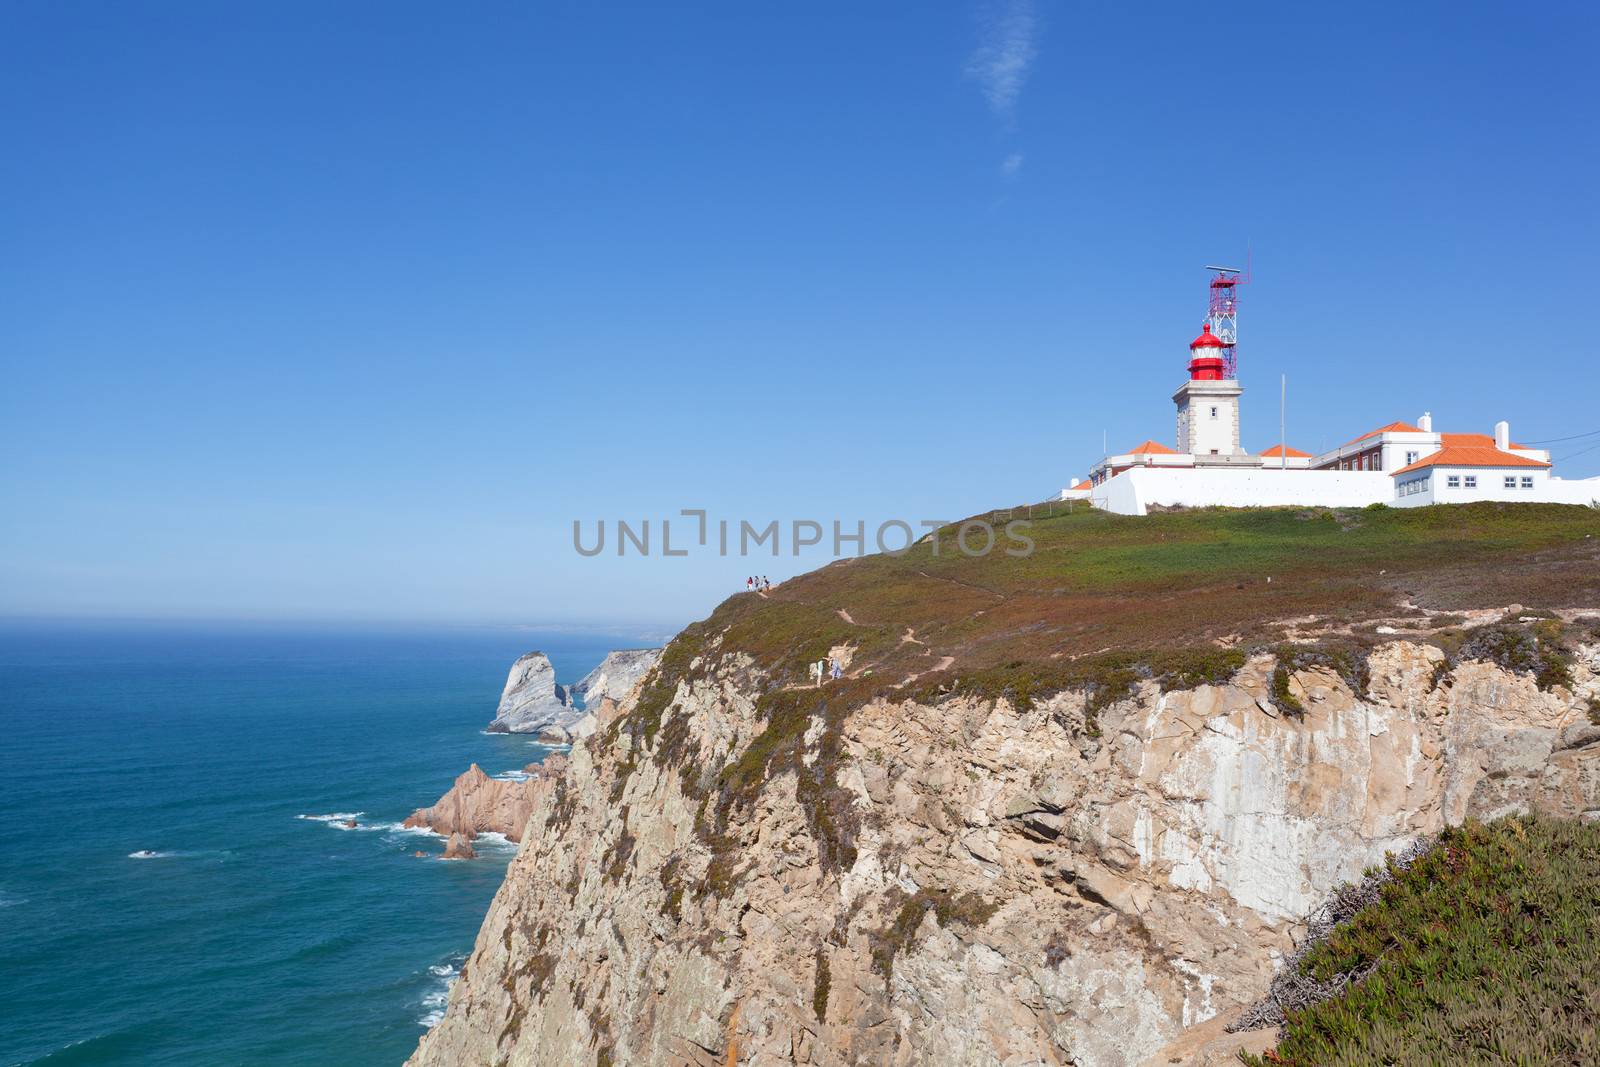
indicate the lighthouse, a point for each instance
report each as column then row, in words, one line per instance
column 1208, row 405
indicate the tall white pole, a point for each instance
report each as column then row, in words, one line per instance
column 1283, row 421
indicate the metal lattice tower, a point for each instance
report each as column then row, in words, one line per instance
column 1223, row 315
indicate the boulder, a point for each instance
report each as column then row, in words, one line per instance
column 459, row 848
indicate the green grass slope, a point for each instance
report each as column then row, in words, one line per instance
column 1098, row 582
column 1487, row 951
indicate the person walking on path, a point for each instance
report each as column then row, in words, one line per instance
column 749, row 584
column 838, row 671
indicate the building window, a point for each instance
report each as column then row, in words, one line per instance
column 1472, row 481
column 1411, row 457
column 1527, row 481
column 1453, row 481
column 1511, row 481
column 1213, row 411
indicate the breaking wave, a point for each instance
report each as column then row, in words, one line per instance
column 435, row 999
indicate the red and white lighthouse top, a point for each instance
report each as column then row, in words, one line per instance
column 1206, row 364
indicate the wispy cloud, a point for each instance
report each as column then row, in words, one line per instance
column 1005, row 51
column 1011, row 165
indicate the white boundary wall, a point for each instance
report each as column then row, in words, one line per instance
column 1135, row 491
column 1571, row 491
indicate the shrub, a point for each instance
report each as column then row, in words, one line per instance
column 1535, row 650
column 1285, row 700
column 968, row 909
column 1481, row 951
column 819, row 992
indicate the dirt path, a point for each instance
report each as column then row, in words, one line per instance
column 964, row 585
column 943, row 664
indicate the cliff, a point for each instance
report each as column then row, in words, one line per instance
column 1064, row 809
column 618, row 673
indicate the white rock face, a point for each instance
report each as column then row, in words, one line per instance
column 532, row 702
column 981, row 884
column 618, row 673
column 531, row 699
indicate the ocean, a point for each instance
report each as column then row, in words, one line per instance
column 174, row 888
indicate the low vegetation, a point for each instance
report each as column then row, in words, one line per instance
column 1482, row 951
column 1098, row 583
column 1537, row 650
column 819, row 990
column 1348, row 663
column 966, row 909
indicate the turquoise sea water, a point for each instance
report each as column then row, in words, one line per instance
column 255, row 934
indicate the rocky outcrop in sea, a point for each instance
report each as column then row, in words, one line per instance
column 531, row 698
column 964, row 879
column 478, row 804
column 532, row 702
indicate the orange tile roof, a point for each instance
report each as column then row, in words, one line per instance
column 1279, row 450
column 1478, row 440
column 1149, row 447
column 1470, row 456
column 1085, row 484
column 1393, row 427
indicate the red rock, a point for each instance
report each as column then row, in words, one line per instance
column 479, row 804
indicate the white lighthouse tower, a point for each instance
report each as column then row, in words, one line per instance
column 1208, row 405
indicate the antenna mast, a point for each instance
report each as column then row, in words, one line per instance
column 1223, row 314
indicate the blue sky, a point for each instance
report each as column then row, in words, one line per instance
column 347, row 311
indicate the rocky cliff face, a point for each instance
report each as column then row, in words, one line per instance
column 978, row 881
column 618, row 673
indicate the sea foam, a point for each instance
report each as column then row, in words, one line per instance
column 437, row 998
column 333, row 816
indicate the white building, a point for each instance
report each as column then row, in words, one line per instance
column 1401, row 464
